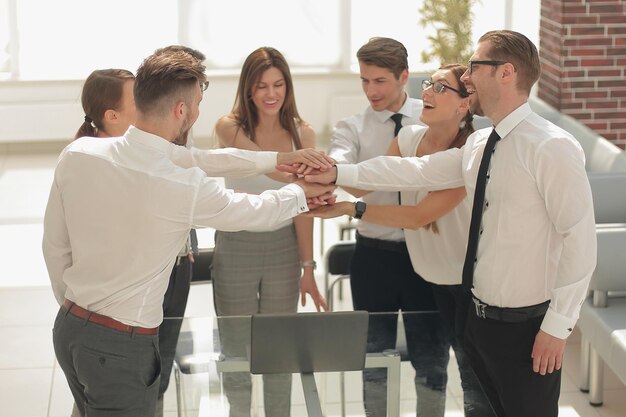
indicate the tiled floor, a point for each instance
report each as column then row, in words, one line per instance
column 31, row 384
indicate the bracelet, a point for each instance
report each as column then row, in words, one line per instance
column 304, row 264
column 336, row 173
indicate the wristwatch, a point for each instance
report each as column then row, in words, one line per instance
column 359, row 208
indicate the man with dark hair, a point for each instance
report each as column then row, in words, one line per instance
column 119, row 211
column 532, row 240
column 177, row 294
column 382, row 278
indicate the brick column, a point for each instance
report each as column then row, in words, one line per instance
column 583, row 57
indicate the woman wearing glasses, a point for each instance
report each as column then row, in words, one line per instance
column 436, row 225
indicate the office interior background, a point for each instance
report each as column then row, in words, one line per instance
column 47, row 48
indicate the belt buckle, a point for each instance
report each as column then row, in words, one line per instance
column 480, row 308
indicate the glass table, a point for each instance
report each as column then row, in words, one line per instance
column 215, row 355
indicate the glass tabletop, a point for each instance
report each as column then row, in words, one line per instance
column 330, row 364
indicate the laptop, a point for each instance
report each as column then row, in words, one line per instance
column 308, row 342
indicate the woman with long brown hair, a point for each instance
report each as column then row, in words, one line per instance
column 263, row 271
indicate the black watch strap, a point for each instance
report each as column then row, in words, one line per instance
column 359, row 208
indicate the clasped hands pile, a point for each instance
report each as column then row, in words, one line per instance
column 314, row 171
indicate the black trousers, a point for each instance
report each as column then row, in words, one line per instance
column 384, row 281
column 452, row 303
column 500, row 355
column 174, row 304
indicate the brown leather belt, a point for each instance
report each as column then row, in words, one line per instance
column 106, row 321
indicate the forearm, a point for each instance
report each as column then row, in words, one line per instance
column 304, row 235
column 406, row 217
column 355, row 191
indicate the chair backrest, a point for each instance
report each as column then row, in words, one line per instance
column 610, row 272
column 609, row 196
column 308, row 342
column 604, row 156
column 338, row 258
column 600, row 154
column 202, row 264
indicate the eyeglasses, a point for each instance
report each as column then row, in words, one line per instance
column 440, row 88
column 204, row 85
column 484, row 62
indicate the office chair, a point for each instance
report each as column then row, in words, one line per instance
column 337, row 261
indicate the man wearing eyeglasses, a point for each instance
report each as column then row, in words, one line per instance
column 382, row 278
column 532, row 251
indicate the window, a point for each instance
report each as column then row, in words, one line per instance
column 67, row 39
column 5, row 49
column 305, row 31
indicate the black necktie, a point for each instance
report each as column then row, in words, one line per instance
column 397, row 119
column 477, row 212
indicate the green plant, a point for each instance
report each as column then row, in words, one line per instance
column 452, row 20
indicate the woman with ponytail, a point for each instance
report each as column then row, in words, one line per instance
column 108, row 103
column 436, row 226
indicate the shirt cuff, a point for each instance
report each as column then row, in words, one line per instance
column 347, row 175
column 557, row 325
column 302, row 205
column 267, row 161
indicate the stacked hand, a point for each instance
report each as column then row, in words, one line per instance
column 324, row 200
column 331, row 210
column 306, row 165
column 310, row 174
column 317, row 194
column 304, row 160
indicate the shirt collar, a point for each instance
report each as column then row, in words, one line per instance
column 514, row 118
column 405, row 110
column 134, row 134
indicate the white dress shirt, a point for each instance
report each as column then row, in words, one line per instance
column 436, row 257
column 538, row 238
column 367, row 135
column 256, row 184
column 120, row 210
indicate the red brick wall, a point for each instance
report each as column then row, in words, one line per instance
column 583, row 56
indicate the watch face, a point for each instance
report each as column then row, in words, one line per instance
column 359, row 208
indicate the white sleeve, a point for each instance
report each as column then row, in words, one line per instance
column 232, row 162
column 564, row 186
column 438, row 171
column 224, row 209
column 56, row 247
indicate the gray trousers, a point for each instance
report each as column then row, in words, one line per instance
column 110, row 373
column 255, row 273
